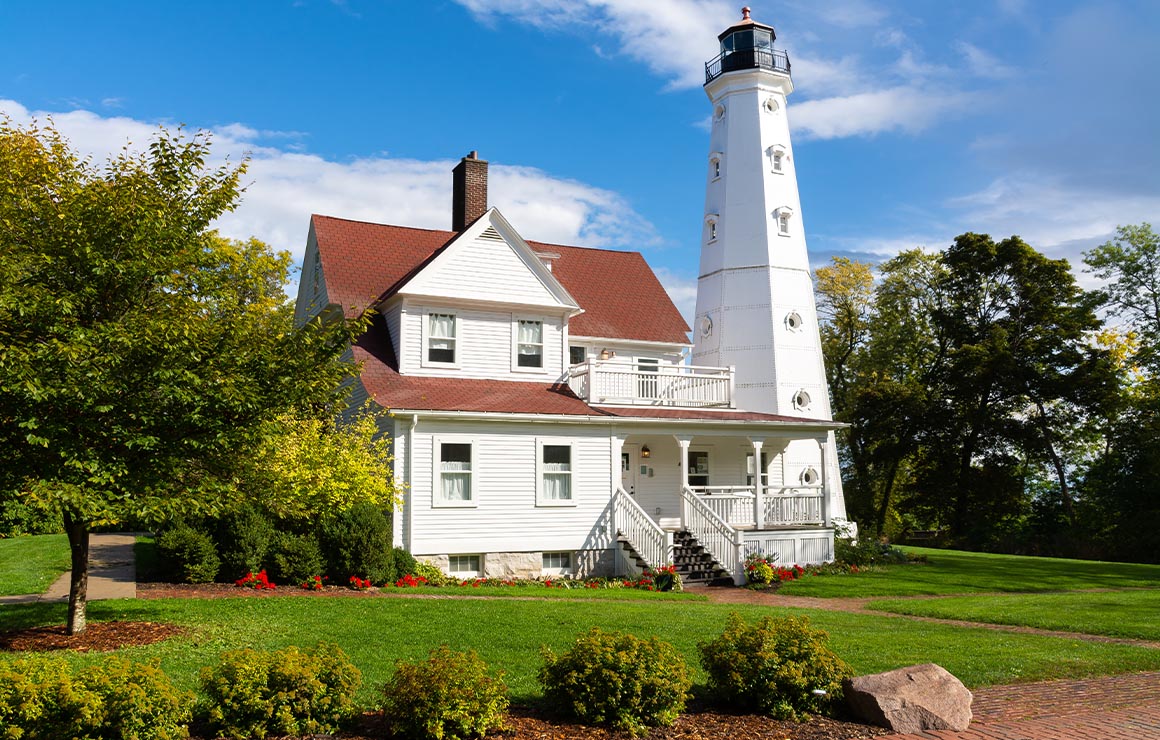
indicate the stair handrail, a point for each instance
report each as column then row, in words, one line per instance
column 720, row 540
column 651, row 542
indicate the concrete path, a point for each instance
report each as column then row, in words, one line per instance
column 112, row 573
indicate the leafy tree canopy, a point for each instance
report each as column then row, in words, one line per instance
column 143, row 355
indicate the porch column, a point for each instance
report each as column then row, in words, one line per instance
column 758, row 485
column 825, row 484
column 615, row 448
column 683, row 442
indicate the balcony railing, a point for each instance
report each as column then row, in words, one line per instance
column 730, row 61
column 630, row 384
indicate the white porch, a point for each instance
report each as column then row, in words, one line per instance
column 735, row 495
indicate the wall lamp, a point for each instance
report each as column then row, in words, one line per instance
column 645, row 452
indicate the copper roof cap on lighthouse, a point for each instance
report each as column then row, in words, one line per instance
column 745, row 22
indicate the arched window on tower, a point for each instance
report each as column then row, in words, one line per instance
column 777, row 158
column 711, row 227
column 782, row 217
column 715, row 165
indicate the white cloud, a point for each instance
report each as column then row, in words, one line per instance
column 285, row 187
column 1053, row 217
column 673, row 39
column 682, row 291
column 982, row 63
column 902, row 108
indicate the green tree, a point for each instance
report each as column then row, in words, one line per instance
column 1130, row 265
column 879, row 348
column 143, row 355
column 1015, row 330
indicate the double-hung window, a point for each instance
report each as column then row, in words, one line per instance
column 555, row 468
column 441, row 337
column 529, row 343
column 454, row 474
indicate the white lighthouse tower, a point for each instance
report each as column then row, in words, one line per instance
column 755, row 299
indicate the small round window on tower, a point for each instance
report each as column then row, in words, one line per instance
column 719, row 112
column 801, row 400
column 793, row 321
column 771, row 105
column 810, row 477
column 706, row 326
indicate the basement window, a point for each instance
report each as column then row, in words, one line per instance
column 464, row 566
column 557, row 564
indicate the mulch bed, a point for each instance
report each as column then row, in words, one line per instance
column 98, row 637
column 523, row 722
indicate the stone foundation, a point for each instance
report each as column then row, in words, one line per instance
column 585, row 564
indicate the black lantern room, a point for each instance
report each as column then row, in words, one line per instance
column 747, row 45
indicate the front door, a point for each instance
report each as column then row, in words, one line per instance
column 629, row 455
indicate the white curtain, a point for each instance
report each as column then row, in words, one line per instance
column 557, row 486
column 531, row 332
column 456, row 477
column 441, row 325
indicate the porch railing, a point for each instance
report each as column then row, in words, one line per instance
column 789, row 506
column 638, row 384
column 650, row 541
column 720, row 540
column 732, row 504
column 795, row 506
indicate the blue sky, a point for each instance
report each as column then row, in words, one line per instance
column 912, row 121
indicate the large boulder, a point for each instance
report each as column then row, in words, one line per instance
column 910, row 700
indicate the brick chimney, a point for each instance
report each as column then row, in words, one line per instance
column 468, row 191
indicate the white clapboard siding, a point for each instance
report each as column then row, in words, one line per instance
column 393, row 314
column 312, row 296
column 483, row 269
column 506, row 517
column 484, row 345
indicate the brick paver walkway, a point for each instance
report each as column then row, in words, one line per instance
column 1123, row 707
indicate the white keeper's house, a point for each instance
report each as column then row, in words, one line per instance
column 549, row 413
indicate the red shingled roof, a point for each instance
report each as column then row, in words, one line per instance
column 620, row 295
column 404, row 392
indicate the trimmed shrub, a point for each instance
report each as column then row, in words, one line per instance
column 296, row 557
column 404, row 563
column 188, row 554
column 357, row 542
column 617, row 679
column 774, row 667
column 867, row 551
column 449, row 696
column 252, row 694
column 244, row 538
column 116, row 699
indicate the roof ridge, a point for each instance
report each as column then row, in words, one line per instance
column 376, row 223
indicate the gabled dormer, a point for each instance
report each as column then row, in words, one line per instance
column 486, row 305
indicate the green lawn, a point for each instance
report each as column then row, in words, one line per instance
column 956, row 572
column 1116, row 613
column 29, row 565
column 509, row 632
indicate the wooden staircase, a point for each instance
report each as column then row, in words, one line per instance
column 693, row 564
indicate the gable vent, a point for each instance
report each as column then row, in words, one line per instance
column 491, row 235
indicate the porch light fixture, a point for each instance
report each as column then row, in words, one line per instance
column 607, row 354
column 645, row 452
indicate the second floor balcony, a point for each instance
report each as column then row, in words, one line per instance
column 619, row 383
